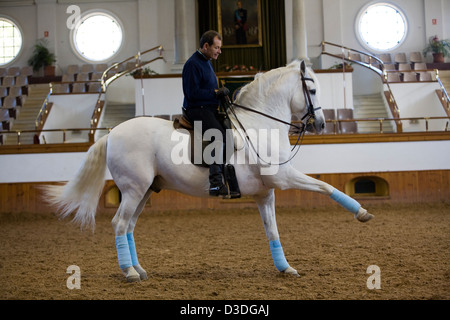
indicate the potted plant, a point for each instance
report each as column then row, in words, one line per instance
column 439, row 49
column 42, row 58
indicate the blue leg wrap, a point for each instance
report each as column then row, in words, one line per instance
column 123, row 252
column 278, row 255
column 132, row 247
column 344, row 200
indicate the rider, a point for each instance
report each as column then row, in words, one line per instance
column 201, row 100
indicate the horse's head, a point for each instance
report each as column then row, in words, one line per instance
column 305, row 104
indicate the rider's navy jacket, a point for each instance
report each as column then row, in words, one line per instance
column 199, row 82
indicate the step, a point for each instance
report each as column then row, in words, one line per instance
column 371, row 106
column 27, row 114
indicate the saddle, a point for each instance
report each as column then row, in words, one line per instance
column 229, row 172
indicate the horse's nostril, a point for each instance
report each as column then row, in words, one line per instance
column 323, row 125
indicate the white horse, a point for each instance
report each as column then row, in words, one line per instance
column 139, row 155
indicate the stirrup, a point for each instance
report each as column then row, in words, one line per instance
column 218, row 191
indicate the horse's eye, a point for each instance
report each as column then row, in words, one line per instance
column 313, row 91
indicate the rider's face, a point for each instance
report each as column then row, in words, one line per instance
column 213, row 51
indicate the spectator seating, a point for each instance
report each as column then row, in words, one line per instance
column 404, row 67
column 402, row 70
column 415, row 57
column 420, row 66
column 330, row 121
column 13, row 92
column 409, row 76
column 78, row 87
column 400, row 58
column 83, row 78
column 346, row 126
column 425, row 76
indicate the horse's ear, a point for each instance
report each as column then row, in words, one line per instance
column 302, row 66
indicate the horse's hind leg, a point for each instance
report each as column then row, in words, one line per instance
column 130, row 237
column 123, row 223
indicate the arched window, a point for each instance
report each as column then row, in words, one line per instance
column 97, row 36
column 381, row 27
column 10, row 41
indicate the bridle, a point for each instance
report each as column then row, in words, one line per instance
column 310, row 117
column 311, row 114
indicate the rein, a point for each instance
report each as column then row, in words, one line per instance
column 310, row 116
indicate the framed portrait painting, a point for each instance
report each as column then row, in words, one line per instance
column 240, row 23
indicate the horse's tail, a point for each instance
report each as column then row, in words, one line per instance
column 83, row 192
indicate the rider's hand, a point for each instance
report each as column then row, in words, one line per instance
column 222, row 92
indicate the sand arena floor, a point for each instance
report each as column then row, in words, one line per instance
column 225, row 255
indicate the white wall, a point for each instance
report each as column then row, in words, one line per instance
column 419, row 100
column 161, row 96
column 336, row 90
column 70, row 111
column 312, row 159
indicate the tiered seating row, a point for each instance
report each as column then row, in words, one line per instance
column 402, row 69
column 337, row 121
column 13, row 92
column 83, row 78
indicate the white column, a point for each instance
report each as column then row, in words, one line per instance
column 46, row 23
column 181, row 32
column 300, row 44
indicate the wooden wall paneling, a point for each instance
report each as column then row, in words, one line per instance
column 405, row 187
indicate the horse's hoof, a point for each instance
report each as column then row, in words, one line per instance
column 143, row 276
column 133, row 278
column 363, row 215
column 291, row 271
column 142, row 273
column 131, row 275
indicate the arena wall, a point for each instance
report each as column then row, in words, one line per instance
column 405, row 187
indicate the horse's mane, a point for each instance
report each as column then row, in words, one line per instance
column 266, row 83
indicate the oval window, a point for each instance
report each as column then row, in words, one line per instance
column 97, row 37
column 381, row 27
column 10, row 41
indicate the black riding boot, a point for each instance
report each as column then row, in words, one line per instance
column 216, row 185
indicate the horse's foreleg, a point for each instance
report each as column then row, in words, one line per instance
column 266, row 206
column 298, row 180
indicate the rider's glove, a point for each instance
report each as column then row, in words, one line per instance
column 222, row 92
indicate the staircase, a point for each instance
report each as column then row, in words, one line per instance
column 371, row 106
column 445, row 79
column 114, row 114
column 27, row 114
